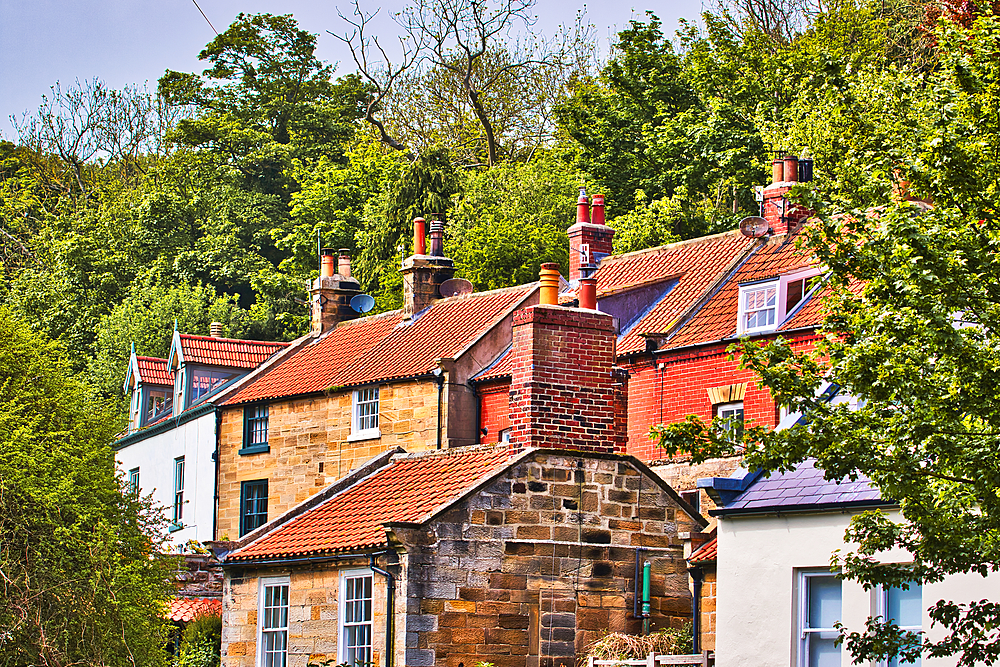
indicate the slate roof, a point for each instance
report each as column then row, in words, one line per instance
column 228, row 352
column 409, row 489
column 384, row 347
column 716, row 319
column 153, row 370
column 184, row 609
column 696, row 265
column 801, row 489
column 706, row 553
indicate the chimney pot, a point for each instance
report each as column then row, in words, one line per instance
column 548, row 293
column 582, row 207
column 791, row 168
column 597, row 210
column 215, row 329
column 326, row 269
column 587, row 293
column 437, row 238
column 419, row 236
column 777, row 171
column 344, row 263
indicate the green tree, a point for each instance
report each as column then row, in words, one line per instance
column 82, row 584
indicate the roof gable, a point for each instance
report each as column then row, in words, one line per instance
column 225, row 352
column 147, row 370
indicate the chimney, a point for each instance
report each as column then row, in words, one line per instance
column 783, row 216
column 423, row 274
column 331, row 293
column 589, row 239
column 215, row 329
column 563, row 392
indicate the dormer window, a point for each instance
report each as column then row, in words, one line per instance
column 766, row 305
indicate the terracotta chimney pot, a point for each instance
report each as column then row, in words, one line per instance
column 597, row 210
column 582, row 207
column 344, row 263
column 791, row 168
column 587, row 293
column 777, row 171
column 419, row 236
column 326, row 268
column 549, row 278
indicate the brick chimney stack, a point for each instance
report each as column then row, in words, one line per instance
column 563, row 393
column 589, row 239
column 783, row 216
column 332, row 292
column 423, row 274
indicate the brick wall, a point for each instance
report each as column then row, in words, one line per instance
column 562, row 389
column 305, row 433
column 532, row 568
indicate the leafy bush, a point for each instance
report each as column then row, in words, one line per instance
column 201, row 643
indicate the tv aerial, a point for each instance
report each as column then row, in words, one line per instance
column 456, row 287
column 754, row 226
column 362, row 303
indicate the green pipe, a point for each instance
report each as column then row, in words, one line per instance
column 645, row 597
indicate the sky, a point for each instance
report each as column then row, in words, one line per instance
column 133, row 41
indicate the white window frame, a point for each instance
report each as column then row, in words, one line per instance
column 882, row 609
column 745, row 290
column 785, row 281
column 731, row 407
column 265, row 582
column 359, row 399
column 343, row 624
column 803, row 631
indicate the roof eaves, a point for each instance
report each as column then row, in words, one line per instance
column 805, row 508
column 165, row 425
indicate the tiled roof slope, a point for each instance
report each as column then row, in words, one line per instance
column 407, row 490
column 716, row 320
column 153, row 370
column 696, row 264
column 385, row 347
column 228, row 352
column 706, row 553
column 802, row 488
column 183, row 609
column 502, row 367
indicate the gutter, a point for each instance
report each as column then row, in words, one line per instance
column 802, row 509
column 166, row 425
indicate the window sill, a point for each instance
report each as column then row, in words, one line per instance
column 255, row 449
column 369, row 434
column 174, row 527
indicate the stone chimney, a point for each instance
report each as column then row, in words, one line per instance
column 784, row 216
column 589, row 239
column 423, row 274
column 332, row 292
column 563, row 392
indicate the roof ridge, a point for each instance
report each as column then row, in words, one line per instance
column 453, row 452
column 235, row 340
column 151, row 358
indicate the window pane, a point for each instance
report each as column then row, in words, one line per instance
column 795, row 290
column 904, row 608
column 822, row 651
column 824, row 602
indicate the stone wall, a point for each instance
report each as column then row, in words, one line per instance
column 310, row 446
column 532, row 568
column 706, row 608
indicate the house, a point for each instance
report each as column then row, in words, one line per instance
column 517, row 553
column 170, row 448
column 775, row 538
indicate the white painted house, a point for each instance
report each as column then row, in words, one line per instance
column 170, row 449
column 777, row 599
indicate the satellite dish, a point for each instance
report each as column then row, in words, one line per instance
column 362, row 303
column 456, row 287
column 754, row 226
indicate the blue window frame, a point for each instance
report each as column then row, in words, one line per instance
column 178, row 490
column 253, row 505
column 255, row 429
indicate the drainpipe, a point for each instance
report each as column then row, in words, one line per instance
column 439, row 378
column 636, row 610
column 645, row 597
column 390, row 594
column 215, row 458
column 697, row 575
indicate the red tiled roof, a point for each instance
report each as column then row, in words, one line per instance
column 706, row 553
column 229, row 352
column 385, row 347
column 502, row 367
column 406, row 490
column 184, row 609
column 696, row 265
column 716, row 320
column 154, row 371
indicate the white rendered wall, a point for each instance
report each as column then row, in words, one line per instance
column 759, row 558
column 154, row 456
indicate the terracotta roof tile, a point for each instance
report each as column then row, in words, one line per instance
column 184, row 609
column 229, row 352
column 706, row 553
column 406, row 490
column 153, row 370
column 500, row 368
column 695, row 265
column 385, row 347
column 716, row 319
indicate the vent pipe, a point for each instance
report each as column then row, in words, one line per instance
column 587, row 293
column 344, row 263
column 215, row 329
column 548, row 293
column 437, row 238
column 326, row 261
column 419, row 236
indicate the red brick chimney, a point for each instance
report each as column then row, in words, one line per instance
column 783, row 216
column 332, row 292
column 423, row 274
column 589, row 239
column 563, row 393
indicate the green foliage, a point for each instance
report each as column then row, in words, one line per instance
column 81, row 584
column 201, row 643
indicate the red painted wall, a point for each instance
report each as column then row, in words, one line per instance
column 494, row 409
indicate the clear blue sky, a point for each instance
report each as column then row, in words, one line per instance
column 134, row 41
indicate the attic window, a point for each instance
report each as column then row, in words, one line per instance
column 758, row 307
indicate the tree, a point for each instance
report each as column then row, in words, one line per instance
column 914, row 334
column 81, row 584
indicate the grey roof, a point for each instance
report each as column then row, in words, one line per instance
column 801, row 489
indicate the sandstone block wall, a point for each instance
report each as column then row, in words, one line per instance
column 707, row 608
column 532, row 568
